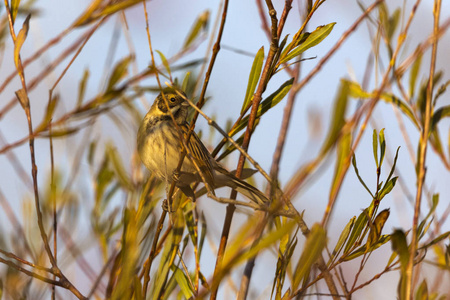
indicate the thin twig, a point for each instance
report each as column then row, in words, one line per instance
column 23, row 98
column 53, row 200
column 423, row 142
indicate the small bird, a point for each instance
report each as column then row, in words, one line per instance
column 159, row 146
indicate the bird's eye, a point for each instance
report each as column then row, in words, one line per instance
column 172, row 99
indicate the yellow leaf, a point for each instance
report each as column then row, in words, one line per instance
column 20, row 39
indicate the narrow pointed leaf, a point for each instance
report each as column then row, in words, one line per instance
column 375, row 146
column 363, row 249
column 393, row 22
column 312, row 40
column 118, row 167
column 441, row 237
column 266, row 104
column 269, row 239
column 360, row 224
column 404, row 107
column 338, row 118
column 253, row 78
column 119, row 72
column 439, row 114
column 413, row 75
column 185, row 84
column 387, row 188
column 201, row 23
column 165, row 62
column 357, row 92
column 343, row 150
column 393, row 165
column 382, row 146
column 14, row 9
column 20, row 39
column 441, row 91
column 183, row 283
column 359, row 177
column 422, row 291
column 314, row 245
column 344, row 235
column 82, row 87
column 377, row 227
column 400, row 246
column 190, row 223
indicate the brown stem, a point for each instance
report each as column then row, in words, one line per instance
column 422, row 157
column 22, row 96
column 250, row 127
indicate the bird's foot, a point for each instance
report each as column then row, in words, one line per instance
column 166, row 207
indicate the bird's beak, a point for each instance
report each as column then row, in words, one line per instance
column 185, row 103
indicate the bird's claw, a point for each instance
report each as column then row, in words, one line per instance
column 176, row 176
column 166, row 207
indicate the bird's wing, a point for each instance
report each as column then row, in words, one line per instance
column 200, row 154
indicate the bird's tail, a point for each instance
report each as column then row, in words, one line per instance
column 225, row 178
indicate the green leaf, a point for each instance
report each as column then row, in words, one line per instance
column 338, row 119
column 357, row 92
column 268, row 240
column 253, row 79
column 119, row 72
column 185, row 83
column 183, row 282
column 343, row 150
column 375, row 147
column 359, row 177
column 164, row 62
column 51, row 106
column 360, row 224
column 400, row 246
column 404, row 107
column 130, row 252
column 266, row 104
column 85, row 18
column 377, row 227
column 314, row 245
column 190, row 222
column 280, row 51
column 14, row 9
column 387, row 188
column 18, row 43
column 423, row 226
column 441, row 237
column 422, row 291
column 82, row 87
column 118, row 167
column 312, row 40
column 202, row 234
column 97, row 10
column 393, row 22
column 343, row 237
column 163, row 271
column 413, row 74
column 422, row 97
column 393, row 166
column 439, row 114
column 363, row 249
column 294, row 43
column 201, row 24
column 441, row 91
column 382, row 146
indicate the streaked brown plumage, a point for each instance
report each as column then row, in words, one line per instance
column 159, row 148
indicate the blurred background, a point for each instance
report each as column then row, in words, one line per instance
column 169, row 24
